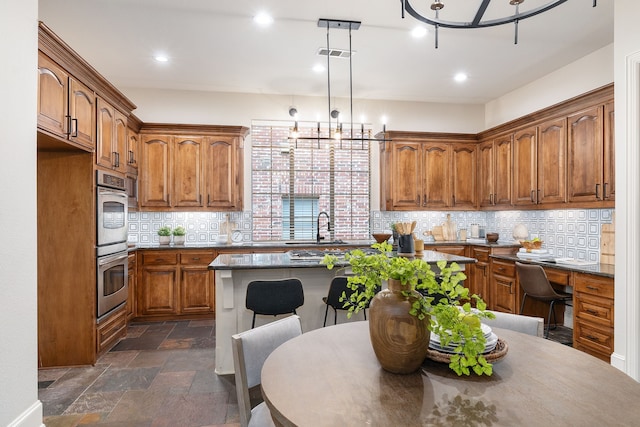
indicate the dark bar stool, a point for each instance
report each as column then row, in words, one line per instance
column 274, row 297
column 336, row 288
column 535, row 284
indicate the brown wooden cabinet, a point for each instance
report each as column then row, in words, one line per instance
column 111, row 141
column 539, row 164
column 66, row 107
column 174, row 284
column 592, row 154
column 428, row 171
column 109, row 332
column 479, row 273
column 198, row 169
column 131, row 286
column 495, row 172
column 504, row 290
column 593, row 315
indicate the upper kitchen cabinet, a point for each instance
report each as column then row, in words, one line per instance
column 428, row 171
column 68, row 92
column 111, row 144
column 539, row 164
column 190, row 167
column 592, row 155
column 66, row 107
column 494, row 172
column 133, row 155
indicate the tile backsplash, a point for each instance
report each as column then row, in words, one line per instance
column 571, row 233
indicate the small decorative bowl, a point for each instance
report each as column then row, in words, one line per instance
column 381, row 237
column 492, row 237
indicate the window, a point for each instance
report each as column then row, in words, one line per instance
column 294, row 180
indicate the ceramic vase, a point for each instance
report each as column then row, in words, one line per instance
column 164, row 240
column 399, row 339
column 178, row 240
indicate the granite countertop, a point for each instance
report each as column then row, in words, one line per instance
column 283, row 260
column 605, row 270
column 288, row 245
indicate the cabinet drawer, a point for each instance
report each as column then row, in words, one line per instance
column 559, row 277
column 503, row 268
column 594, row 337
column 110, row 331
column 594, row 309
column 162, row 258
column 481, row 254
column 196, row 258
column 594, row 285
column 453, row 250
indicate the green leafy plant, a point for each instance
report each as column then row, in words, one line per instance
column 445, row 300
column 179, row 231
column 164, row 231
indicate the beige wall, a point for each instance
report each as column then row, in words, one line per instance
column 19, row 405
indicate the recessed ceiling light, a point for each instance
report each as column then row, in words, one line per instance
column 460, row 77
column 263, row 19
column 161, row 58
column 419, row 32
column 318, row 68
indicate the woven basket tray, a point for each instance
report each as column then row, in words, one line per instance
column 494, row 355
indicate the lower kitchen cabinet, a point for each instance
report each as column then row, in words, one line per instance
column 503, row 287
column 131, row 286
column 593, row 314
column 111, row 330
column 174, row 284
column 478, row 273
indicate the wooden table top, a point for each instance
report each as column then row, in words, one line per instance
column 330, row 377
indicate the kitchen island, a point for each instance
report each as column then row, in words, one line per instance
column 235, row 271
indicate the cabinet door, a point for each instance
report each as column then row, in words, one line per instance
column 105, row 136
column 157, row 291
column 196, row 289
column 155, row 171
column 223, row 173
column 585, row 143
column 53, row 96
column 82, row 110
column 503, row 176
column 132, row 153
column 463, row 176
column 524, row 167
column 551, row 155
column 437, row 175
column 609, row 171
column 485, row 173
column 478, row 282
column 131, row 284
column 504, row 294
column 119, row 155
column 406, row 175
column 187, row 166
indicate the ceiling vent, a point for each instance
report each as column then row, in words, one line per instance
column 335, row 53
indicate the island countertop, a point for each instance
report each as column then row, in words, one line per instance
column 270, row 260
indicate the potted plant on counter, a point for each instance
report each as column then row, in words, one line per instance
column 179, row 235
column 419, row 301
column 164, row 235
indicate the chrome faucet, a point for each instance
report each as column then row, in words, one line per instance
column 318, row 238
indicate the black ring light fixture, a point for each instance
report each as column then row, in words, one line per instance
column 477, row 21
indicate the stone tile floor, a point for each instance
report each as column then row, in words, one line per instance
column 160, row 375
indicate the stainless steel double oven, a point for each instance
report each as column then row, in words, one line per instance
column 111, row 248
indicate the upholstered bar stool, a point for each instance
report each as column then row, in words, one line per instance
column 274, row 297
column 535, row 284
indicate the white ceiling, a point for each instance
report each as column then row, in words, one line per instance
column 213, row 45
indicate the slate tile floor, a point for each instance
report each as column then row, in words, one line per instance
column 160, row 375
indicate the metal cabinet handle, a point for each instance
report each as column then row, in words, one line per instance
column 74, row 132
column 68, row 130
column 593, row 288
column 532, row 199
column 538, row 196
column 604, row 190
column 418, row 200
column 591, row 311
column 598, row 191
column 195, row 259
column 592, row 338
column 424, row 200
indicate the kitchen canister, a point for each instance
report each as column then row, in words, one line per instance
column 475, row 231
column 406, row 245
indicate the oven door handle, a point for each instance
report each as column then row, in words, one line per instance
column 112, row 258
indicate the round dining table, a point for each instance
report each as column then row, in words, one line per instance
column 331, row 377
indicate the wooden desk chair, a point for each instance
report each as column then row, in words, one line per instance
column 250, row 350
column 274, row 297
column 535, row 284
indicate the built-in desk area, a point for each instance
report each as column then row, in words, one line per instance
column 593, row 305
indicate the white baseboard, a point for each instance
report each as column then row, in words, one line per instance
column 32, row 417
